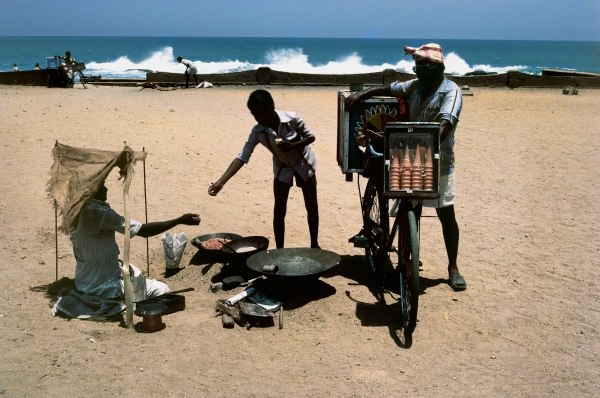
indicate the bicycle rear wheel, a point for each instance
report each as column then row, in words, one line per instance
column 376, row 226
column 408, row 262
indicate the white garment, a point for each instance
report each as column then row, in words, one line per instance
column 447, row 193
column 153, row 287
column 189, row 66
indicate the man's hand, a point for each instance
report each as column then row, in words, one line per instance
column 351, row 101
column 189, row 219
column 445, row 127
column 214, row 188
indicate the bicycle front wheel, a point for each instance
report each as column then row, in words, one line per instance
column 409, row 272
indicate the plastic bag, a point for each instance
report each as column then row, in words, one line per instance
column 173, row 245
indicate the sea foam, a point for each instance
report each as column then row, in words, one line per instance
column 292, row 60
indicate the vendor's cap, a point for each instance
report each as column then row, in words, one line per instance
column 431, row 52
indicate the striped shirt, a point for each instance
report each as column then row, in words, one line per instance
column 301, row 161
column 444, row 104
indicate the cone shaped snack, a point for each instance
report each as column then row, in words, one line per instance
column 428, row 170
column 416, row 172
column 406, row 166
column 395, row 169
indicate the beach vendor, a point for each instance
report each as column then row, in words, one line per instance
column 190, row 69
column 287, row 137
column 432, row 98
column 98, row 283
column 66, row 66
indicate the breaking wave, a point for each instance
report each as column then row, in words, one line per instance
column 285, row 60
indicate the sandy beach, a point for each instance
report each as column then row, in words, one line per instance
column 527, row 326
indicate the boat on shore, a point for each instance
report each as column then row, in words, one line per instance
column 56, row 74
column 565, row 72
column 40, row 77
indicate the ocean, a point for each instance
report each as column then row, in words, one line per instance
column 132, row 57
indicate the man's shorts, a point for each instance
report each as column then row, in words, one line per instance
column 447, row 193
column 300, row 183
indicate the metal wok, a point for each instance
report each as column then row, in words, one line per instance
column 293, row 262
column 197, row 241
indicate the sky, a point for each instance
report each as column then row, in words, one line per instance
column 441, row 19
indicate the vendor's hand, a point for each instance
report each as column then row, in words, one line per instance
column 214, row 188
column 189, row 219
column 351, row 101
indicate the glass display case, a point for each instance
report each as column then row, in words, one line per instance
column 411, row 160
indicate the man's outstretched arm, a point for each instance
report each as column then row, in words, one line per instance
column 158, row 227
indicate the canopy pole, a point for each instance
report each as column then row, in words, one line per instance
column 127, row 288
column 55, row 241
column 146, row 210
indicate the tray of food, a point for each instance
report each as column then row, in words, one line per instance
column 214, row 242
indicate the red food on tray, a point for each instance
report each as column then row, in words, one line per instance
column 214, row 243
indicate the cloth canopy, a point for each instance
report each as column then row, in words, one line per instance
column 77, row 173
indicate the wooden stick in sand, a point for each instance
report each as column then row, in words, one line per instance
column 128, row 291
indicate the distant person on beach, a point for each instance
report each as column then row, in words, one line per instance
column 69, row 60
column 432, row 98
column 286, row 136
column 15, row 68
column 66, row 66
column 98, row 279
column 37, row 66
column 190, row 68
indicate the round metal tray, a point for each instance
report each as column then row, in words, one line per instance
column 293, row 262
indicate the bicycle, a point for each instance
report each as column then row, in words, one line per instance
column 77, row 69
column 376, row 236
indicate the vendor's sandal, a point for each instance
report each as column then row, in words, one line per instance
column 457, row 283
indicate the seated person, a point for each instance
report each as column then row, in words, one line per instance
column 98, row 280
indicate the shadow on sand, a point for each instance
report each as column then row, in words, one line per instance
column 384, row 311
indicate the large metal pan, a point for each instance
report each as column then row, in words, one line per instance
column 293, row 262
column 240, row 249
column 197, row 241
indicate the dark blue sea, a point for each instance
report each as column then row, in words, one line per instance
column 132, row 57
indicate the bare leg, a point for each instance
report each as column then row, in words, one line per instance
column 281, row 192
column 451, row 237
column 309, row 191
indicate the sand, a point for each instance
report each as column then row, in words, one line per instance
column 528, row 324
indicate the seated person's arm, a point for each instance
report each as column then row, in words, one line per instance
column 158, row 227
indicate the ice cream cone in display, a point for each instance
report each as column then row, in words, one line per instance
column 416, row 173
column 406, row 166
column 428, row 171
column 395, row 169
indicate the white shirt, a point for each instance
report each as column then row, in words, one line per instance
column 444, row 103
column 189, row 66
column 302, row 162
